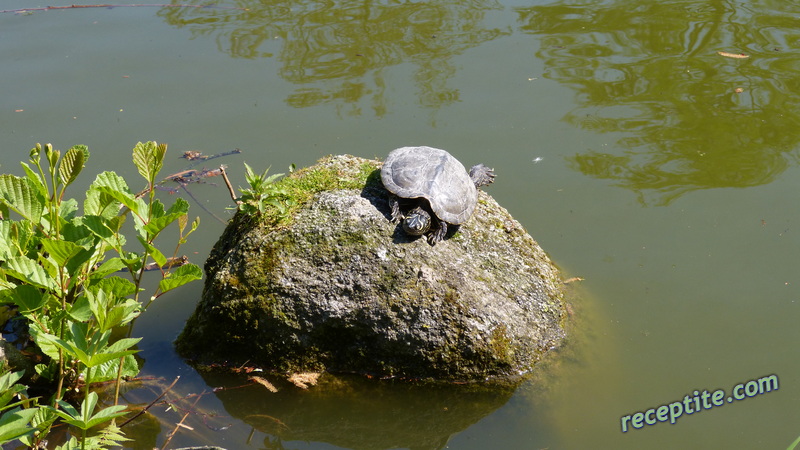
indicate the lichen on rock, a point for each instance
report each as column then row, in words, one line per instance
column 336, row 286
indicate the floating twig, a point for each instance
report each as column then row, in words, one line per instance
column 270, row 387
column 180, row 424
column 199, row 157
column 304, row 379
column 733, row 55
column 153, row 402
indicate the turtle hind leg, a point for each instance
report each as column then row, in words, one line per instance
column 438, row 234
column 481, row 175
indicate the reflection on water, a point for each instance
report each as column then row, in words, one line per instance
column 344, row 46
column 355, row 413
column 689, row 117
column 686, row 117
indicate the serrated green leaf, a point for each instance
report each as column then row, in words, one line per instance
column 61, row 251
column 42, row 341
column 108, row 267
column 108, row 370
column 100, row 204
column 35, row 179
column 182, row 222
column 120, row 287
column 158, row 223
column 9, row 388
column 114, row 351
column 80, row 310
column 29, row 271
column 71, row 349
column 103, row 228
column 72, row 163
column 154, row 253
column 68, row 209
column 10, row 242
column 9, row 378
column 42, row 421
column 149, row 159
column 106, row 414
column 75, row 231
column 28, row 298
column 121, row 314
column 120, row 348
column 16, row 423
column 85, row 419
column 23, row 198
column 184, row 274
column 115, row 186
column 111, row 311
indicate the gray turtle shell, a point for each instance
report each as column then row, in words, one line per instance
column 435, row 175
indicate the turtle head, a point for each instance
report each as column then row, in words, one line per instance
column 417, row 222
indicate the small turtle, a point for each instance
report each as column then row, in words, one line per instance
column 436, row 189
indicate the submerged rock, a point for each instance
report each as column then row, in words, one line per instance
column 335, row 286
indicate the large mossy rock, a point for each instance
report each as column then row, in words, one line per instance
column 334, row 285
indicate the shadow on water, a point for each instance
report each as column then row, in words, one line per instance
column 690, row 117
column 344, row 47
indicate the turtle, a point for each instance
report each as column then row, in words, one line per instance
column 431, row 189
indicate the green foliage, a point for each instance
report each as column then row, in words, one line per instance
column 262, row 193
column 86, row 418
column 276, row 199
column 58, row 268
column 793, row 445
column 17, row 423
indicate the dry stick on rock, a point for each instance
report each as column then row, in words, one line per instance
column 228, row 183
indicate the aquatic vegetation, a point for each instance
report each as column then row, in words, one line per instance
column 56, row 270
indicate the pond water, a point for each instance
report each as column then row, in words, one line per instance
column 662, row 172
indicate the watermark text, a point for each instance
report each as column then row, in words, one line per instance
column 698, row 401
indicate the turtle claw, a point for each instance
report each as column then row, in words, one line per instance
column 394, row 204
column 481, row 175
column 438, row 234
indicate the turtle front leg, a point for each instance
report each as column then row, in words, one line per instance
column 394, row 204
column 438, row 234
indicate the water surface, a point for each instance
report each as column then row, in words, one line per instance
column 641, row 159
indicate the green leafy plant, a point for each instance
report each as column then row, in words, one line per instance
column 16, row 422
column 793, row 445
column 86, row 418
column 59, row 267
column 262, row 193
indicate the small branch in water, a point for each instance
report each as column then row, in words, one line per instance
column 153, row 402
column 180, row 424
column 153, row 5
column 199, row 157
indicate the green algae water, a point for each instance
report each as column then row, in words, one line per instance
column 651, row 149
